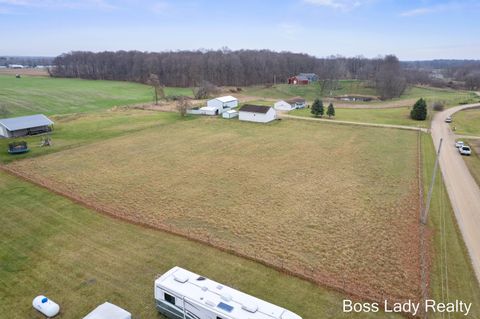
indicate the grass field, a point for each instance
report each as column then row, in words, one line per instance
column 30, row 95
column 467, row 122
column 473, row 161
column 395, row 116
column 312, row 91
column 271, row 192
column 80, row 259
column 73, row 130
column 452, row 276
column 309, row 92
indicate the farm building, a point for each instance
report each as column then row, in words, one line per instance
column 257, row 113
column 298, row 80
column 312, row 77
column 25, row 125
column 303, row 79
column 291, row 104
column 230, row 114
column 221, row 104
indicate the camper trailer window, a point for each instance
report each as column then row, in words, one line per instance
column 219, row 317
column 169, row 298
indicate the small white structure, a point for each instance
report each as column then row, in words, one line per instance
column 15, row 66
column 108, row 311
column 230, row 114
column 180, row 293
column 223, row 103
column 257, row 113
column 46, row 306
column 25, row 125
column 291, row 104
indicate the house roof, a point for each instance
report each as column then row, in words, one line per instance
column 301, row 77
column 254, row 108
column 294, row 100
column 24, row 122
column 227, row 98
column 307, row 74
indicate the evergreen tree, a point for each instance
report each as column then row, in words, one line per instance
column 330, row 110
column 317, row 108
column 419, row 110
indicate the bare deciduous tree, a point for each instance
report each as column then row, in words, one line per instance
column 183, row 105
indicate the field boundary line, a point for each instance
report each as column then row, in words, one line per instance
column 400, row 127
column 309, row 274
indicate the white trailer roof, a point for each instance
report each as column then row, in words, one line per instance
column 108, row 311
column 24, row 122
column 227, row 98
column 220, row 298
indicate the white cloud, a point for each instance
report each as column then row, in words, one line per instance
column 449, row 6
column 338, row 4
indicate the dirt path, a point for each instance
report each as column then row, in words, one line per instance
column 401, row 127
column 462, row 189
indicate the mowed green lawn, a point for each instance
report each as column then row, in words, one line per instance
column 467, row 122
column 73, row 130
column 394, row 116
column 81, row 258
column 30, row 95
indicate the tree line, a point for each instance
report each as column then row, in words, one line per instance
column 223, row 67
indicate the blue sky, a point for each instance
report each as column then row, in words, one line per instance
column 423, row 29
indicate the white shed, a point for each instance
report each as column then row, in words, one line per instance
column 283, row 106
column 257, row 113
column 223, row 103
column 230, row 114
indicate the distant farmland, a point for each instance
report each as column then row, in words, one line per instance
column 29, row 95
column 337, row 204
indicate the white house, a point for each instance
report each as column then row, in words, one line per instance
column 291, row 104
column 25, row 125
column 222, row 103
column 257, row 113
column 180, row 293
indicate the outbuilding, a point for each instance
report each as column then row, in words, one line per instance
column 257, row 113
column 291, row 104
column 230, row 114
column 223, row 103
column 25, row 125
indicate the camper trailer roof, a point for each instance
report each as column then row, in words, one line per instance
column 220, row 298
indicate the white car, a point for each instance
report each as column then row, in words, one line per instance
column 448, row 119
column 465, row 150
column 459, row 144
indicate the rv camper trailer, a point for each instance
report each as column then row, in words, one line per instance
column 181, row 294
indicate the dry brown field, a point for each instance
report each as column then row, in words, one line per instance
column 335, row 203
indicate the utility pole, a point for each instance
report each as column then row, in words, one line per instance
column 429, row 197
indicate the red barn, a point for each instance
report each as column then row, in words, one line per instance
column 298, row 79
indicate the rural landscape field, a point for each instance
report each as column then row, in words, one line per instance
column 296, row 159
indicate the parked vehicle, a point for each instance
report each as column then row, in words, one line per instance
column 465, row 150
column 448, row 119
column 459, row 144
column 181, row 294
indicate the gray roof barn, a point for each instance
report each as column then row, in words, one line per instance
column 24, row 125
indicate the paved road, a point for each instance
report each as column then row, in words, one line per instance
column 462, row 189
column 402, row 127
